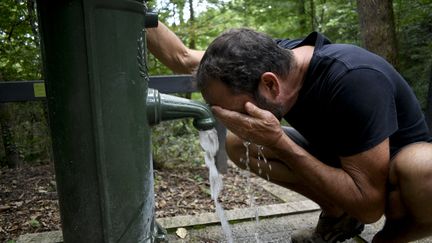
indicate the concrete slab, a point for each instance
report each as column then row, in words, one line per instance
column 277, row 229
column 280, row 192
column 269, row 230
column 44, row 237
column 239, row 214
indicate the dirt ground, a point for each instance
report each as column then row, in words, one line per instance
column 28, row 197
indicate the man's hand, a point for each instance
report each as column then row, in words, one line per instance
column 258, row 126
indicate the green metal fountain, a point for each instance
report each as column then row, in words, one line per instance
column 101, row 111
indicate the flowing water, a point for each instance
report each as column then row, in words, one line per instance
column 209, row 143
column 261, row 156
column 252, row 203
column 260, row 167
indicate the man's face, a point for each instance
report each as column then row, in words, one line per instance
column 276, row 109
column 217, row 93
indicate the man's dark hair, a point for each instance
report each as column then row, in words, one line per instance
column 239, row 57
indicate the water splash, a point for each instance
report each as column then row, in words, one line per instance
column 209, row 143
column 260, row 150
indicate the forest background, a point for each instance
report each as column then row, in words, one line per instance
column 399, row 30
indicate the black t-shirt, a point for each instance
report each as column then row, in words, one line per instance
column 352, row 100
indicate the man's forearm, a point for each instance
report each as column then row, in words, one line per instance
column 171, row 51
column 334, row 184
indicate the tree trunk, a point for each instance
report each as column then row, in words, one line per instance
column 428, row 112
column 11, row 151
column 313, row 15
column 192, row 34
column 377, row 28
column 192, row 31
column 302, row 17
column 31, row 16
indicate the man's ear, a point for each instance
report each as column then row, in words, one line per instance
column 269, row 85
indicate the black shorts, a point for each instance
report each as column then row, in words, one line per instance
column 326, row 157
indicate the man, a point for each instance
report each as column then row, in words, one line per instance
column 359, row 143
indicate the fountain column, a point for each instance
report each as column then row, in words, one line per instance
column 96, row 81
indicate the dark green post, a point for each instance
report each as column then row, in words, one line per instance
column 96, row 88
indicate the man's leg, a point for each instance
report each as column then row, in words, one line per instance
column 409, row 204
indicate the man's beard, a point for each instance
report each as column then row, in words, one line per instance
column 263, row 103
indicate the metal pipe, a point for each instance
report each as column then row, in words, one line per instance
column 162, row 107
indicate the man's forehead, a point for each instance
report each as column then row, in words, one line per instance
column 227, row 100
column 214, row 89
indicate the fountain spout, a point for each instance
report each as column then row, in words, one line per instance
column 162, row 107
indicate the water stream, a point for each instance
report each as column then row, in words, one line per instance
column 209, row 143
column 249, row 191
column 261, row 156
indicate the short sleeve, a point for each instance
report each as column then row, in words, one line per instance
column 313, row 39
column 362, row 111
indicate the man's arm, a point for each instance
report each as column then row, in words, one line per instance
column 357, row 188
column 171, row 51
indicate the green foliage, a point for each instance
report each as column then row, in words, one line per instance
column 19, row 52
column 339, row 21
column 176, row 143
column 414, row 30
column 20, row 60
column 32, row 132
column 34, row 223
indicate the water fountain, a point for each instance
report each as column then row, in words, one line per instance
column 100, row 111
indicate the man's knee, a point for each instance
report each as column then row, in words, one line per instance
column 413, row 162
column 411, row 173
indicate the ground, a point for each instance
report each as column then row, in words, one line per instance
column 28, row 198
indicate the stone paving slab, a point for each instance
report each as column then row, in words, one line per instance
column 239, row 214
column 269, row 230
column 280, row 192
column 44, row 237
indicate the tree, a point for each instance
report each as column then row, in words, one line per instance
column 428, row 113
column 24, row 127
column 378, row 28
column 414, row 32
column 12, row 155
column 192, row 35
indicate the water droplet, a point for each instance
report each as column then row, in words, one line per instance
column 252, row 203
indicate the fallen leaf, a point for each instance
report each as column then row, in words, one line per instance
column 19, row 204
column 181, row 232
column 4, row 208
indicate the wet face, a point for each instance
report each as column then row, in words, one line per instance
column 217, row 93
